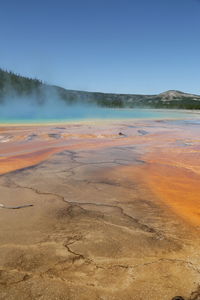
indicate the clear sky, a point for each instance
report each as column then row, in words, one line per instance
column 135, row 46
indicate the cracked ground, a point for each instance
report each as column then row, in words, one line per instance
column 113, row 217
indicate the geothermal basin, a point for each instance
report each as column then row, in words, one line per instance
column 115, row 211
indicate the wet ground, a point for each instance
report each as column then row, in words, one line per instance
column 114, row 216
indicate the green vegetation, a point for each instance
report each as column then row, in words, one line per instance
column 12, row 85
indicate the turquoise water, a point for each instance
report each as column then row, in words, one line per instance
column 84, row 114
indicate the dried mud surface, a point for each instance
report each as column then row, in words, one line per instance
column 113, row 217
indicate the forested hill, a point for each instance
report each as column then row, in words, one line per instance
column 15, row 86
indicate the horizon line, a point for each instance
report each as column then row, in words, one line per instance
column 86, row 91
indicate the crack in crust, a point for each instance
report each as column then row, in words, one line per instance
column 143, row 227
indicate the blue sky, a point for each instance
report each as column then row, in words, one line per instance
column 117, row 46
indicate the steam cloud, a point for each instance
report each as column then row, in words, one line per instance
column 14, row 107
column 50, row 106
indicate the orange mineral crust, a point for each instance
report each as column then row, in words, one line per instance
column 172, row 168
column 177, row 187
column 18, row 156
column 16, row 162
column 173, row 174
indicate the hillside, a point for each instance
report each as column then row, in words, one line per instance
column 15, row 86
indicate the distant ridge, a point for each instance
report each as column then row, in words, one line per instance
column 173, row 94
column 14, row 86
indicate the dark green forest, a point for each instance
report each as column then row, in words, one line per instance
column 14, row 86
